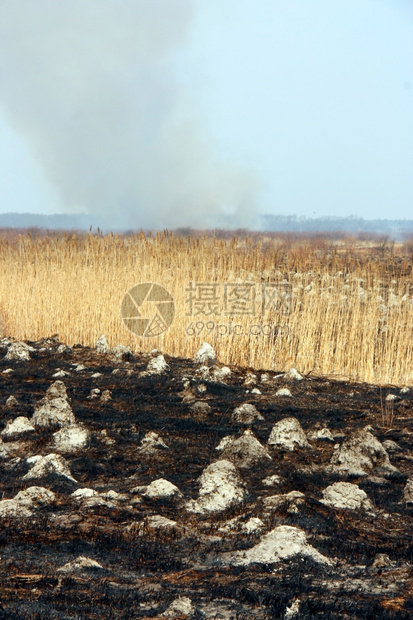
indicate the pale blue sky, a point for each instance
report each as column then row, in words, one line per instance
column 307, row 103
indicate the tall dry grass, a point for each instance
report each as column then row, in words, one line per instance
column 340, row 309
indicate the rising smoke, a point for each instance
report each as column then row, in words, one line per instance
column 91, row 84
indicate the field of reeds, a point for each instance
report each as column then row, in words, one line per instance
column 332, row 307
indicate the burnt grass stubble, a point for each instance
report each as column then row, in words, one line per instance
column 142, row 575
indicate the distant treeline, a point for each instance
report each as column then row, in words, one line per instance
column 56, row 221
column 352, row 225
column 396, row 229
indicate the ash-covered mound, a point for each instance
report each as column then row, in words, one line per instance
column 155, row 487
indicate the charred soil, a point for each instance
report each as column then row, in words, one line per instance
column 108, row 543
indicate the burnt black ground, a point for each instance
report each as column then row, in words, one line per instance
column 142, row 575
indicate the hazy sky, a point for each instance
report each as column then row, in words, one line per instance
column 173, row 112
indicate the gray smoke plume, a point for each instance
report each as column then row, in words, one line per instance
column 91, row 84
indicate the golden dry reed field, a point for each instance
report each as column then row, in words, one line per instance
column 335, row 308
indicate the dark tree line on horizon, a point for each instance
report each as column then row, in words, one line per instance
column 353, row 225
